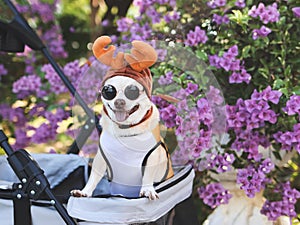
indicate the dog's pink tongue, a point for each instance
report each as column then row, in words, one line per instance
column 121, row 115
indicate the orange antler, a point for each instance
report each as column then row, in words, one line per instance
column 142, row 56
column 105, row 55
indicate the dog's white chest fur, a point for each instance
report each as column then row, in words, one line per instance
column 124, row 157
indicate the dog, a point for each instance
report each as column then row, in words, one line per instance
column 131, row 150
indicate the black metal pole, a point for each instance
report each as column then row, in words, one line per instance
column 82, row 137
column 32, row 177
column 59, row 207
column 4, row 144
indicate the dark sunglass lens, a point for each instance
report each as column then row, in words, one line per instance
column 132, row 92
column 109, row 92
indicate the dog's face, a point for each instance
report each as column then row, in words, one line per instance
column 125, row 100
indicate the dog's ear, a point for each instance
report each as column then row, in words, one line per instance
column 142, row 56
column 105, row 54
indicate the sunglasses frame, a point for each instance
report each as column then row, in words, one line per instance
column 124, row 91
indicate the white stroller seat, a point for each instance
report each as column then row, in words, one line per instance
column 121, row 210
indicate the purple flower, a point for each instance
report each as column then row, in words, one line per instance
column 139, row 32
column 233, row 51
column 271, row 95
column 217, row 19
column 180, row 94
column 153, row 15
column 296, row 11
column 229, row 62
column 253, row 12
column 182, row 106
column 220, row 19
column 250, row 105
column 205, row 111
column 214, row 195
column 14, row 115
column 55, row 42
column 159, row 102
column 27, row 85
column 105, row 23
column 293, row 105
column 191, row 88
column 214, row 60
column 47, row 130
column 124, row 24
column 56, row 84
column 171, row 16
column 290, row 139
column 38, row 109
column 283, row 207
column 22, row 140
column 239, row 77
column 266, row 14
column 255, row 34
column 245, row 76
column 46, row 11
column 3, row 71
column 44, row 133
column 216, row 3
column 262, row 32
column 261, row 8
column 214, row 96
column 73, row 71
column 195, row 37
column 225, row 63
column 240, row 3
column 168, row 115
column 266, row 166
column 166, row 79
column 220, row 162
column 253, row 179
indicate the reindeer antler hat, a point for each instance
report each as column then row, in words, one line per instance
column 134, row 64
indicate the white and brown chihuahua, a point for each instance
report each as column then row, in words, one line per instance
column 131, row 149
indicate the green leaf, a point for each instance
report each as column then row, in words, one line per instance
column 296, row 90
column 287, row 71
column 183, row 77
column 278, row 83
column 239, row 18
column 202, row 55
column 245, row 51
column 264, row 72
column 177, row 79
column 284, row 91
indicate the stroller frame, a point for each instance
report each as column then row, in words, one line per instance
column 33, row 183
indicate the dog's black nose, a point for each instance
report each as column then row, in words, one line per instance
column 120, row 103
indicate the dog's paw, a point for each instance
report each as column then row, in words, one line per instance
column 149, row 192
column 78, row 193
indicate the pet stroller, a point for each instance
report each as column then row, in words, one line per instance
column 31, row 195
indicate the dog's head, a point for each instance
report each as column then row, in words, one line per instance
column 126, row 88
column 125, row 100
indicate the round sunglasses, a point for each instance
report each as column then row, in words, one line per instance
column 131, row 92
